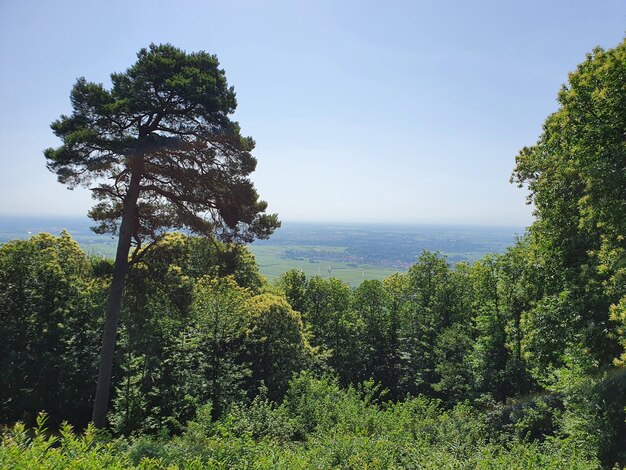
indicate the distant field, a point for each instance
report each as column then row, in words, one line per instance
column 91, row 243
column 352, row 253
column 273, row 263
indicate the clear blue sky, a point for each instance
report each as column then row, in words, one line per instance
column 381, row 111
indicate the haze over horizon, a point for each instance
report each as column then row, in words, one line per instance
column 43, row 219
column 362, row 112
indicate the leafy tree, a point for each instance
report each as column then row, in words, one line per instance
column 181, row 337
column 293, row 284
column 426, row 315
column 575, row 174
column 370, row 302
column 327, row 317
column 453, row 366
column 490, row 354
column 207, row 256
column 549, row 328
column 157, row 306
column 276, row 345
column 576, row 177
column 518, row 280
column 326, row 305
column 396, row 286
column 594, row 411
column 221, row 321
column 49, row 305
column 163, row 153
column 184, row 364
column 196, row 257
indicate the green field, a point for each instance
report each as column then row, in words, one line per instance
column 351, row 253
column 272, row 264
column 271, row 259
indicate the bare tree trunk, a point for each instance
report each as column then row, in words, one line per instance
column 114, row 306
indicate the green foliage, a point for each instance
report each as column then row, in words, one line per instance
column 549, row 330
column 571, row 321
column 575, row 174
column 618, row 316
column 334, row 328
column 220, row 313
column 348, row 431
column 594, row 407
column 293, row 284
column 21, row 449
column 321, row 406
column 199, row 345
column 49, row 322
column 52, row 299
column 276, row 345
column 183, row 339
column 370, row 302
column 453, row 366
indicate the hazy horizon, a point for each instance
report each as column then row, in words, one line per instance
column 336, row 223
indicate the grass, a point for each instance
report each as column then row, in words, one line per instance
column 272, row 264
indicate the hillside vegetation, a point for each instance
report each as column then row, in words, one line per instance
column 514, row 361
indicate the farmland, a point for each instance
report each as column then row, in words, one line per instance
column 349, row 252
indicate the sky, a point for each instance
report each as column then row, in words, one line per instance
column 388, row 111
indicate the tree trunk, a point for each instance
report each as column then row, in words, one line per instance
column 114, row 306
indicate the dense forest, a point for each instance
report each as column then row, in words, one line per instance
column 515, row 360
